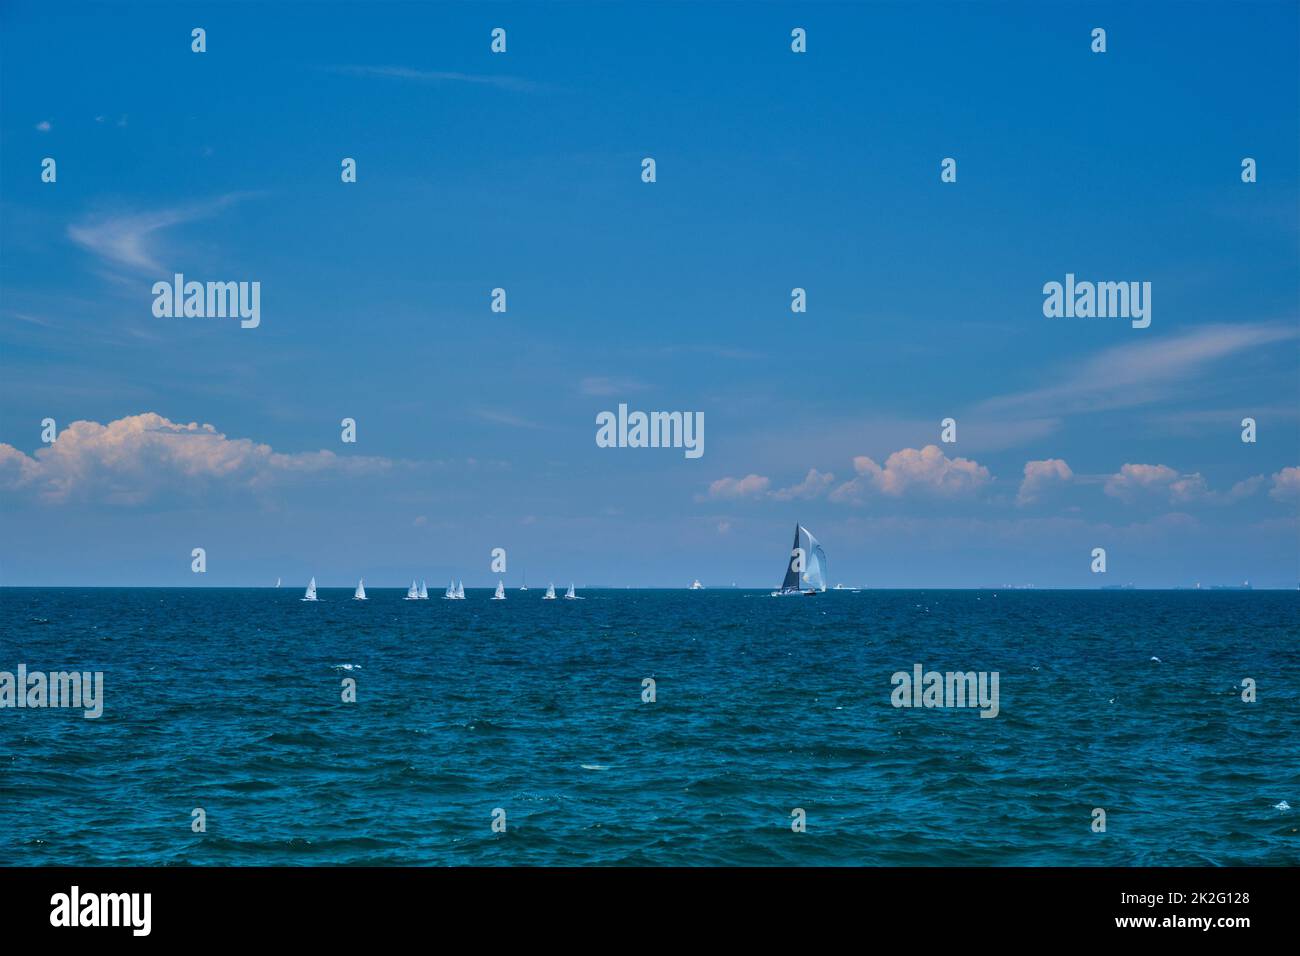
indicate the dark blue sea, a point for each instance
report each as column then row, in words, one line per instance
column 231, row 700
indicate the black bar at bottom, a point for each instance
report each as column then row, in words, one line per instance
column 333, row 904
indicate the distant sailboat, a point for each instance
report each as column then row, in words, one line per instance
column 524, row 586
column 360, row 594
column 809, row 579
column 460, row 590
column 413, row 592
column 311, row 591
column 569, row 595
column 550, row 592
column 277, row 582
column 696, row 585
column 450, row 594
column 501, row 591
column 424, row 592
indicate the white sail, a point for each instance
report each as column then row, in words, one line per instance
column 360, row 594
column 550, row 592
column 460, row 590
column 524, row 585
column 413, row 592
column 424, row 592
column 277, row 582
column 570, row 595
column 814, row 574
column 501, row 591
column 311, row 591
column 696, row 585
column 450, row 593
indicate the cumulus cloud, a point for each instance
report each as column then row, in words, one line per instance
column 1040, row 476
column 812, row 486
column 1286, row 485
column 751, row 486
column 927, row 471
column 133, row 459
column 1134, row 480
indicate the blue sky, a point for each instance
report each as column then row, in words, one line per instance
column 774, row 170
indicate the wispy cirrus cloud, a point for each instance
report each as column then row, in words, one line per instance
column 500, row 81
column 602, row 386
column 129, row 239
column 510, row 419
column 1138, row 373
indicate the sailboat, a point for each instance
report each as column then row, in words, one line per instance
column 569, row 595
column 460, row 590
column 450, row 594
column 501, row 591
column 811, row 578
column 696, row 585
column 550, row 592
column 311, row 591
column 524, row 586
column 277, row 582
column 423, row 594
column 360, row 594
column 413, row 592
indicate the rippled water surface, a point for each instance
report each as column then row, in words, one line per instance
column 230, row 700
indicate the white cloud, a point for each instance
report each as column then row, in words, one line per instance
column 505, row 418
column 500, row 81
column 1040, row 476
column 751, row 486
column 128, row 239
column 813, row 485
column 599, row 385
column 1134, row 480
column 1144, row 371
column 133, row 459
column 927, row 470
column 1286, row 485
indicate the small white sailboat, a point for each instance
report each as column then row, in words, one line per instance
column 696, row 585
column 450, row 593
column 550, row 592
column 277, row 582
column 360, row 594
column 524, row 586
column 805, row 571
column 311, row 591
column 501, row 591
column 460, row 590
column 569, row 595
column 413, row 592
column 424, row 592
